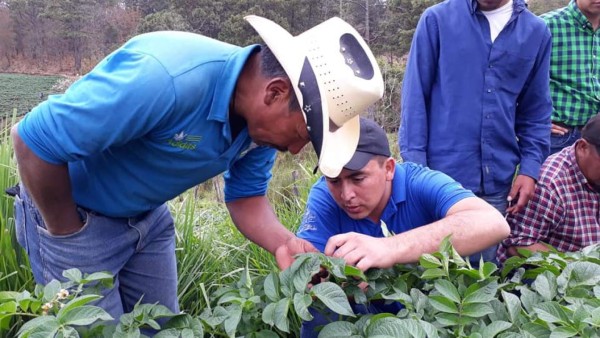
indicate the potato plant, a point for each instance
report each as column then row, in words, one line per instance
column 539, row 295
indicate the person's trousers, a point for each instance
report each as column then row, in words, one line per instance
column 558, row 142
column 139, row 252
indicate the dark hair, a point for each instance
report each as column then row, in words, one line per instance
column 271, row 68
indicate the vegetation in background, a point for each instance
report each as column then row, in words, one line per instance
column 23, row 92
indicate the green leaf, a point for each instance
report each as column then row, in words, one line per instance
column 51, row 289
column 494, row 328
column 76, row 302
column 429, row 261
column 563, row 332
column 433, row 273
column 553, row 312
column 73, row 275
column 83, row 315
column 476, row 310
column 352, row 271
column 42, row 324
column 338, row 330
column 443, row 304
column 448, row 290
column 414, row 327
column 333, row 297
column 97, row 276
column 487, row 269
column 271, row 286
column 451, row 319
column 268, row 314
column 583, row 273
column 235, row 315
column 304, row 271
column 387, row 327
column 529, row 299
column 513, row 305
column 545, row 285
column 8, row 307
column 281, row 313
column 301, row 305
column 480, row 292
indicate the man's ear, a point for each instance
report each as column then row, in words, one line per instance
column 390, row 168
column 277, row 90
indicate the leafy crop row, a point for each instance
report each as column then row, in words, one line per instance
column 543, row 295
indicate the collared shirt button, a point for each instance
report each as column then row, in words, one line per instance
column 489, row 90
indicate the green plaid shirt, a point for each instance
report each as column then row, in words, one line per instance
column 574, row 66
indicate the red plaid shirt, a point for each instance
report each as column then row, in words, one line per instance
column 564, row 212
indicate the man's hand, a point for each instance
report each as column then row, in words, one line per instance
column 558, row 130
column 360, row 250
column 284, row 255
column 523, row 188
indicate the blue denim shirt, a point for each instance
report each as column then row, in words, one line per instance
column 473, row 108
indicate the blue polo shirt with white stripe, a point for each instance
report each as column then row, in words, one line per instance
column 149, row 122
column 419, row 196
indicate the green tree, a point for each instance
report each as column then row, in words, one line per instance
column 73, row 18
column 163, row 20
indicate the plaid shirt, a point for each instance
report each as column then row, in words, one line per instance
column 574, row 66
column 564, row 212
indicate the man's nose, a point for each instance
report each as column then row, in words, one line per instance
column 347, row 192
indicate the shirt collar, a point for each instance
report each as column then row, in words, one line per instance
column 579, row 176
column 576, row 13
column 399, row 185
column 518, row 6
column 226, row 83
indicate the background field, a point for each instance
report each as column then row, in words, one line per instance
column 24, row 92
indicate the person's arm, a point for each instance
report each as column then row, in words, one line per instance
column 532, row 126
column 472, row 223
column 534, row 224
column 49, row 187
column 255, row 218
column 416, row 91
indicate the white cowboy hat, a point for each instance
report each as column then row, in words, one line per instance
column 335, row 77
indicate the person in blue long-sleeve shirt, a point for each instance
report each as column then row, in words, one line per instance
column 475, row 98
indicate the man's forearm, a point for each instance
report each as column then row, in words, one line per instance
column 471, row 231
column 49, row 187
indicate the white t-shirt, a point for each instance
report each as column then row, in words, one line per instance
column 498, row 18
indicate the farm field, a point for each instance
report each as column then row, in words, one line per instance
column 229, row 287
column 24, row 92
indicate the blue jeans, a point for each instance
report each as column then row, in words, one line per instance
column 139, row 252
column 558, row 142
column 498, row 201
column 311, row 329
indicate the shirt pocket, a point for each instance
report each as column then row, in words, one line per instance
column 513, row 71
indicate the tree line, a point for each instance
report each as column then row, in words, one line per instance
column 71, row 36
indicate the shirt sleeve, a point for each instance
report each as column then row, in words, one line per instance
column 321, row 217
column 250, row 175
column 123, row 98
column 533, row 113
column 435, row 191
column 534, row 223
column 416, row 91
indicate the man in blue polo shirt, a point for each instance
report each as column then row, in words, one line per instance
column 163, row 113
column 377, row 213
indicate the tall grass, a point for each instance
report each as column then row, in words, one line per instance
column 15, row 274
